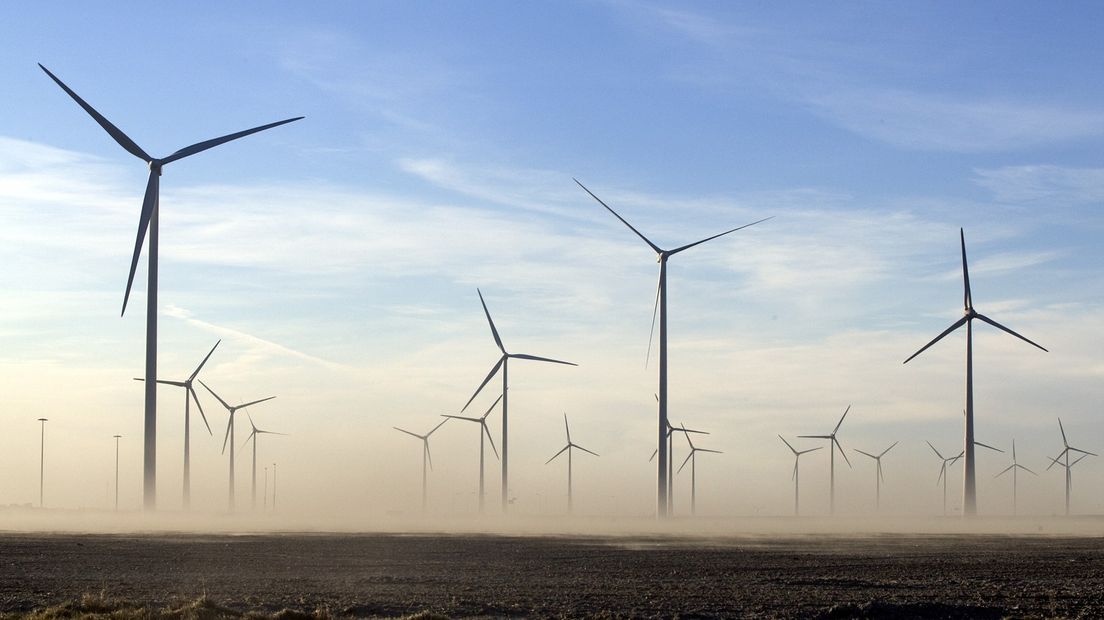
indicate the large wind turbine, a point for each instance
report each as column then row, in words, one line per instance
column 189, row 395
column 943, row 472
column 148, row 221
column 671, row 430
column 797, row 459
column 1065, row 454
column 661, row 308
column 878, row 476
column 253, row 436
column 427, row 458
column 969, row 488
column 1013, row 467
column 503, row 363
column 692, row 458
column 229, row 437
column 484, row 432
column 833, row 443
column 567, row 448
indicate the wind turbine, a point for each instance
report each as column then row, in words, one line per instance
column 148, row 221
column 797, row 459
column 660, row 307
column 1013, row 467
column 969, row 488
column 189, row 395
column 567, row 448
column 483, row 432
column 833, row 443
column 253, row 436
column 1065, row 454
column 671, row 430
column 943, row 472
column 878, row 476
column 229, row 437
column 692, row 458
column 426, row 458
column 503, row 363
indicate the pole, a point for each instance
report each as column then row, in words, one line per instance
column 149, row 469
column 231, row 492
column 274, row 487
column 878, row 486
column 482, row 431
column 425, row 452
column 693, row 484
column 42, row 461
column 969, row 493
column 505, row 440
column 117, row 472
column 253, row 485
column 662, row 481
column 266, row 490
column 187, row 502
column 797, row 482
column 832, row 476
column 570, row 499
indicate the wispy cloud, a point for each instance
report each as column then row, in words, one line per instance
column 1057, row 185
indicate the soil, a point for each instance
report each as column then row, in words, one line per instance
column 891, row 576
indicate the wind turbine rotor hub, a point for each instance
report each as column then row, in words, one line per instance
column 155, row 166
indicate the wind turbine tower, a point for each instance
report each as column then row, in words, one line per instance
column 484, row 432
column 567, row 448
column 1013, row 467
column 661, row 308
column 427, row 459
column 833, row 443
column 229, row 437
column 692, row 458
column 797, row 460
column 878, row 476
column 253, row 436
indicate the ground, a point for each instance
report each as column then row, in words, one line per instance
column 930, row 576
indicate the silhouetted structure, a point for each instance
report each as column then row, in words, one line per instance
column 567, row 448
column 833, row 443
column 427, row 458
column 797, row 460
column 228, row 438
column 483, row 432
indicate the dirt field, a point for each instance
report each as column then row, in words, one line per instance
column 459, row 576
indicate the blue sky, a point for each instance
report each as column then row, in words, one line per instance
column 338, row 256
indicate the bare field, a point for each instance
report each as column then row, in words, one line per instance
column 929, row 576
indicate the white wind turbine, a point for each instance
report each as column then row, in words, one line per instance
column 797, row 460
column 253, row 436
column 567, row 448
column 692, row 458
column 229, row 437
column 833, row 443
column 427, row 458
column 484, row 432
column 943, row 472
column 662, row 486
column 147, row 221
column 1013, row 467
column 1065, row 454
column 878, row 476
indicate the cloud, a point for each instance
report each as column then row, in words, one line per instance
column 1056, row 185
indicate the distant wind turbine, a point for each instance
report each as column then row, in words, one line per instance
column 1013, row 467
column 253, row 436
column 1065, row 454
column 671, row 430
column 503, row 363
column 484, row 432
column 148, row 221
column 427, row 458
column 833, row 443
column 229, row 437
column 660, row 307
column 692, row 458
column 797, row 459
column 943, row 472
column 969, row 488
column 878, row 476
column 189, row 395
column 567, row 448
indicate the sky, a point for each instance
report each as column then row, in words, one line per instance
column 338, row 258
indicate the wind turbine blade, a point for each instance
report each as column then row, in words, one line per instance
column 494, row 332
column 250, row 418
column 226, row 437
column 1027, row 470
column 1085, row 452
column 880, row 473
column 199, row 147
column 814, row 436
column 708, row 450
column 200, row 367
column 942, row 471
column 587, row 451
column 957, row 457
column 1005, row 470
column 195, row 398
column 787, row 445
column 690, row 245
column 651, row 330
column 491, row 408
column 623, row 221
column 1005, row 329
column 842, row 453
column 687, row 436
column 652, row 457
column 1063, row 430
column 978, row 443
column 934, row 450
column 219, row 398
column 460, row 417
column 567, row 429
column 254, row 402
column 1013, row 450
column 120, row 137
column 793, row 476
column 535, row 358
column 866, row 453
column 429, row 455
column 840, row 423
column 954, row 326
column 562, row 450
column 487, row 431
column 479, row 389
column 967, row 298
column 401, row 430
column 810, row 450
column 247, row 439
column 264, row 432
column 688, row 457
column 1079, row 459
column 1054, row 460
column 887, row 449
column 149, row 203
column 437, row 427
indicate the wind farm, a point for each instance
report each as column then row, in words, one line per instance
column 797, row 174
